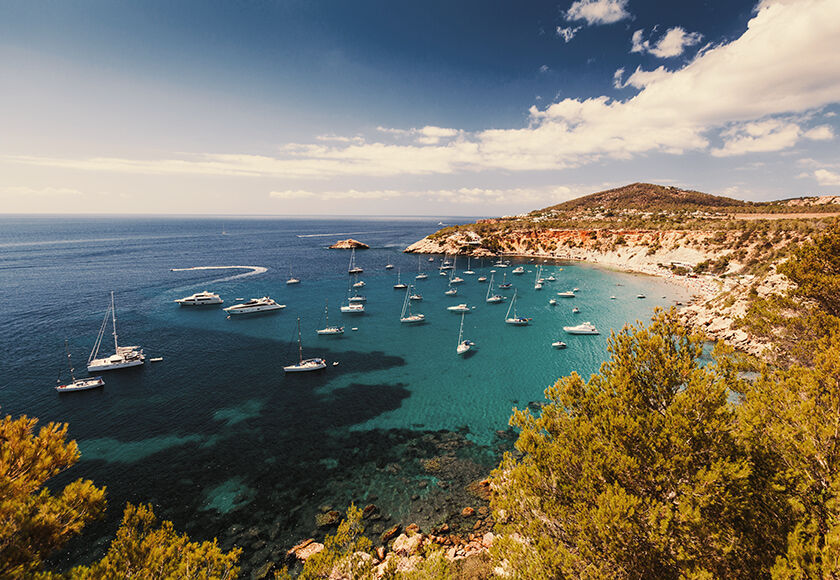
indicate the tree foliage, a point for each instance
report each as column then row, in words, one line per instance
column 815, row 268
column 636, row 473
column 34, row 521
column 346, row 554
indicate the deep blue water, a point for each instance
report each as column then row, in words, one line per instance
column 215, row 436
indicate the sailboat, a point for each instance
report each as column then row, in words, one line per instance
column 303, row 365
column 538, row 280
column 505, row 284
column 353, row 268
column 329, row 330
column 515, row 320
column 358, row 283
column 421, row 275
column 468, row 271
column 463, row 345
column 77, row 384
column 406, row 316
column 400, row 285
column 123, row 357
column 292, row 279
column 453, row 279
column 495, row 298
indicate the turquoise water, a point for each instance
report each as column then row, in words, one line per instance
column 215, row 436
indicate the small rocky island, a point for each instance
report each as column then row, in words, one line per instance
column 349, row 244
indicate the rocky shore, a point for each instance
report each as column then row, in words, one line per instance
column 349, row 244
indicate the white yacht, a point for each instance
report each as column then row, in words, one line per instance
column 357, row 298
column 77, row 384
column 303, row 365
column 552, row 302
column 451, row 292
column 462, row 308
column 200, row 299
column 329, row 330
column 254, row 305
column 640, row 296
column 389, row 266
column 515, row 319
column 123, row 357
column 406, row 316
column 518, row 270
column 575, row 310
column 585, row 328
column 558, row 344
column 551, row 278
column 352, row 268
column 566, row 294
column 416, row 296
column 353, row 308
column 359, row 284
column 292, row 279
column 482, row 278
column 492, row 298
column 463, row 345
column 456, row 280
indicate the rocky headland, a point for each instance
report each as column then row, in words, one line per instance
column 349, row 244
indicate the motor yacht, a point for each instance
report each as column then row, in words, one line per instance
column 200, row 299
column 584, row 328
column 254, row 306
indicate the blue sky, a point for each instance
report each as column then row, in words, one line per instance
column 433, row 108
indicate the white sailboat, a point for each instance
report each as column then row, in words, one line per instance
column 463, row 345
column 353, row 268
column 468, row 271
column 515, row 320
column 538, row 280
column 292, row 279
column 77, row 384
column 421, row 275
column 303, row 365
column 400, row 285
column 494, row 298
column 505, row 284
column 329, row 330
column 123, row 357
column 406, row 316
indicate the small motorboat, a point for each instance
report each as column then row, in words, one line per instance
column 558, row 344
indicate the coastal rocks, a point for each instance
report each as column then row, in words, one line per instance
column 480, row 489
column 389, row 534
column 468, row 512
column 305, row 549
column 349, row 244
column 407, row 545
column 331, row 518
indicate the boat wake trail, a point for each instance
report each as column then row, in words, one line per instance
column 253, row 271
column 341, row 234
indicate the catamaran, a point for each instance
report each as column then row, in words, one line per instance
column 463, row 345
column 515, row 320
column 584, row 328
column 353, row 268
column 77, row 384
column 495, row 298
column 303, row 365
column 123, row 357
column 329, row 330
column 200, row 299
column 406, row 316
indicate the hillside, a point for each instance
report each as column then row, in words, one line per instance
column 649, row 197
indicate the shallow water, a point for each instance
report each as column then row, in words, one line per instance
column 215, row 436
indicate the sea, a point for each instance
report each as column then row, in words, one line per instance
column 216, row 437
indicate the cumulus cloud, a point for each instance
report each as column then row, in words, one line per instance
column 672, row 43
column 598, row 11
column 759, row 92
column 640, row 78
column 826, row 177
column 568, row 33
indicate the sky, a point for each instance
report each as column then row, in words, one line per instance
column 441, row 107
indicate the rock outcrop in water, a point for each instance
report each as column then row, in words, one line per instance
column 349, row 244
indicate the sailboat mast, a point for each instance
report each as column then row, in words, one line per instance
column 114, row 321
column 461, row 330
column 300, row 345
column 69, row 361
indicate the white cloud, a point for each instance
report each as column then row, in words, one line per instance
column 618, row 75
column 821, row 133
column 671, row 44
column 758, row 137
column 568, row 33
column 757, row 93
column 545, row 68
column 641, row 78
column 463, row 195
column 826, row 177
column 598, row 11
